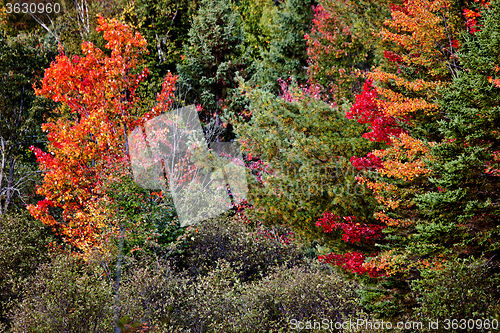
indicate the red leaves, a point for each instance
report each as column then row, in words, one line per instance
column 370, row 162
column 472, row 16
column 353, row 232
column 367, row 111
column 399, row 8
column 471, row 22
column 351, row 262
column 393, row 57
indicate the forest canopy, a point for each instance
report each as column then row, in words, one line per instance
column 339, row 160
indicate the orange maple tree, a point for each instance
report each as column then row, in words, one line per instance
column 87, row 144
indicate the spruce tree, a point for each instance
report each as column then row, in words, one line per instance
column 462, row 210
column 298, row 148
column 287, row 55
column 213, row 57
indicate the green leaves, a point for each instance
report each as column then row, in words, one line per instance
column 213, row 56
column 306, row 145
column 22, row 60
column 465, row 161
column 287, row 54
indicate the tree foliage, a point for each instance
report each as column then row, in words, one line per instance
column 22, row 60
column 341, row 45
column 303, row 145
column 287, row 54
column 213, row 56
column 88, row 144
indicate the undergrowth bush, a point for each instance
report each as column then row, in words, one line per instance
column 66, row 295
column 223, row 278
column 220, row 302
column 463, row 289
column 252, row 253
column 23, row 246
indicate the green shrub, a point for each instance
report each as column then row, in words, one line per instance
column 212, row 302
column 23, row 246
column 464, row 289
column 220, row 302
column 149, row 295
column 224, row 277
column 304, row 293
column 250, row 253
column 66, row 295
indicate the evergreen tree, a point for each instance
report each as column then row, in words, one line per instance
column 256, row 17
column 462, row 210
column 287, row 55
column 213, row 57
column 303, row 147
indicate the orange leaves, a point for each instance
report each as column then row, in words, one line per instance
column 496, row 82
column 391, row 262
column 423, row 35
column 404, row 158
column 419, row 85
column 86, row 150
column 97, row 81
column 424, row 29
column 397, row 105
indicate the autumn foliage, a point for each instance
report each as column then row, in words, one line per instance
column 88, row 143
column 398, row 103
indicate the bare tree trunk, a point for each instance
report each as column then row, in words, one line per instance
column 2, row 172
column 10, row 184
column 82, row 20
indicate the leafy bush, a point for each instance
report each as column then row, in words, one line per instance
column 251, row 254
column 148, row 296
column 220, row 302
column 465, row 288
column 304, row 293
column 224, row 277
column 22, row 248
column 66, row 295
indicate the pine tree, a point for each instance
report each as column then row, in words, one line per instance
column 299, row 149
column 462, row 211
column 256, row 16
column 165, row 25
